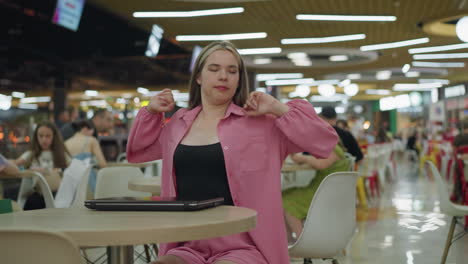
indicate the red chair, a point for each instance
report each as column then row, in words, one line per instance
column 460, row 171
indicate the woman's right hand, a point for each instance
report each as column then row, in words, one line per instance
column 162, row 102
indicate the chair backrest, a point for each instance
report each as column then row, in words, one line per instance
column 331, row 219
column 153, row 169
column 29, row 179
column 446, row 206
column 82, row 190
column 122, row 157
column 39, row 247
column 113, row 182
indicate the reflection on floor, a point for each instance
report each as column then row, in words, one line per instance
column 403, row 226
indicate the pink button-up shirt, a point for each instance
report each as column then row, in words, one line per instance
column 254, row 150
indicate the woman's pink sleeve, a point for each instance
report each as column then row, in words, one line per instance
column 306, row 131
column 144, row 139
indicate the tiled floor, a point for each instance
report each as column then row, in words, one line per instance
column 403, row 226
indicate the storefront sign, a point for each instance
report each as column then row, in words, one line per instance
column 437, row 112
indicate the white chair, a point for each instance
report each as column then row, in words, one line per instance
column 153, row 168
column 331, row 219
column 38, row 247
column 122, row 157
column 81, row 191
column 28, row 181
column 113, row 182
column 448, row 208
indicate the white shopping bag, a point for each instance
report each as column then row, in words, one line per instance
column 72, row 176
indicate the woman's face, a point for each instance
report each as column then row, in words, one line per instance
column 45, row 136
column 219, row 78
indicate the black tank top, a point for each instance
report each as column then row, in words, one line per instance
column 201, row 173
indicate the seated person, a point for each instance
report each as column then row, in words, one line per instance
column 83, row 145
column 296, row 201
column 47, row 154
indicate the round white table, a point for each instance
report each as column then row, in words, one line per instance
column 151, row 185
column 121, row 230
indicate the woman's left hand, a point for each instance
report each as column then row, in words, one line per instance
column 260, row 103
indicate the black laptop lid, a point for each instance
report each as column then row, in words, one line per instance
column 153, row 204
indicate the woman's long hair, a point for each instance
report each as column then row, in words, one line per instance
column 57, row 147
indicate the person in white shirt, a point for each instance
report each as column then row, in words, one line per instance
column 48, row 155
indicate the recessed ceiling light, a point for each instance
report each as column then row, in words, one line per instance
column 262, row 61
column 297, row 55
column 351, row 89
column 413, row 74
column 397, row 44
column 354, row 76
column 195, row 13
column 91, row 93
column 302, row 63
column 302, row 90
column 438, row 64
column 405, row 68
column 256, row 35
column 440, row 56
column 336, row 58
column 462, row 29
column 344, row 18
column 142, row 90
column 438, row 48
column 323, row 39
column 326, row 90
column 383, row 75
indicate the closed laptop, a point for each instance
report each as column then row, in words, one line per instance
column 154, row 204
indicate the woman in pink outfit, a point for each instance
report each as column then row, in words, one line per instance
column 230, row 144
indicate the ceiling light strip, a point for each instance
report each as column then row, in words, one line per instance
column 259, row 51
column 438, row 48
column 393, row 45
column 195, row 13
column 438, row 64
column 256, row 35
column 323, row 39
column 416, row 86
column 344, row 18
column 272, row 76
column 440, row 56
column 307, row 81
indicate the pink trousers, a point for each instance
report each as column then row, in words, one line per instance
column 238, row 248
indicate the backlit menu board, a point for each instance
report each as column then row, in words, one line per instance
column 68, row 13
